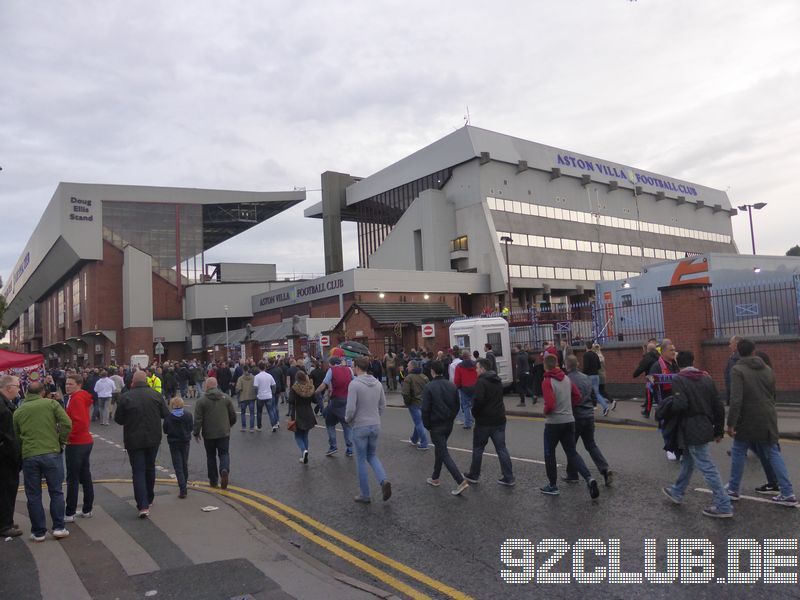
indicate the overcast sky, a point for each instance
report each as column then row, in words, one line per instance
column 256, row 95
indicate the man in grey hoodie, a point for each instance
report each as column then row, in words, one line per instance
column 584, row 422
column 214, row 416
column 365, row 403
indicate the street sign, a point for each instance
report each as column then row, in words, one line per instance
column 324, row 340
column 159, row 339
column 428, row 330
column 159, row 348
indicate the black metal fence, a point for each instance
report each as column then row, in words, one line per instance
column 760, row 309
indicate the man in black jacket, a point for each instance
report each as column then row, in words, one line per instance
column 523, row 372
column 440, row 405
column 699, row 417
column 490, row 423
column 649, row 358
column 591, row 368
column 10, row 457
column 140, row 412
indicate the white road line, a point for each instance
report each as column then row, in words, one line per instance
column 527, row 460
column 753, row 498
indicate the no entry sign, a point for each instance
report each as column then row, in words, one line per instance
column 324, row 340
column 428, row 330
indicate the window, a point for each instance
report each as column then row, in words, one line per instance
column 526, row 208
column 624, row 250
column 551, row 212
column 660, row 253
column 535, row 210
column 552, row 242
column 636, row 251
column 462, row 341
column 492, row 203
column 592, row 274
column 579, row 274
column 515, row 272
column 60, row 309
column 547, row 273
column 559, row 214
column 562, row 273
column 459, row 244
column 626, row 300
column 526, row 271
column 569, row 244
column 612, row 249
column 609, row 275
column 536, row 240
column 496, row 341
column 517, row 207
column 584, row 246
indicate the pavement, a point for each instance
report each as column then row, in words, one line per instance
column 181, row 551
column 628, row 411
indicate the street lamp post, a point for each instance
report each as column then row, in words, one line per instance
column 507, row 240
column 227, row 346
column 749, row 208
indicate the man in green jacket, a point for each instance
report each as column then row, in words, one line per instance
column 213, row 417
column 413, row 384
column 42, row 428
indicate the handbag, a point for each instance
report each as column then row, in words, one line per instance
column 291, row 424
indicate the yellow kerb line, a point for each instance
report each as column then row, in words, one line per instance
column 374, row 571
column 398, row 566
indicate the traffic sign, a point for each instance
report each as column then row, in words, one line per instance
column 324, row 340
column 159, row 348
column 428, row 330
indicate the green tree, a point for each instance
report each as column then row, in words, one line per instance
column 794, row 251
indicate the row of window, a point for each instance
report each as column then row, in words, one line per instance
column 577, row 216
column 543, row 241
column 566, row 273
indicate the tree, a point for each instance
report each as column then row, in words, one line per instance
column 794, row 251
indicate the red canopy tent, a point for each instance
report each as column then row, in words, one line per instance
column 18, row 360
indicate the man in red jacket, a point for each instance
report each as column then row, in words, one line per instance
column 79, row 447
column 466, row 375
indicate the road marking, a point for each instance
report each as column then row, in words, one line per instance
column 743, row 497
column 374, row 554
column 527, row 460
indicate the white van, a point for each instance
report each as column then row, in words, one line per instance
column 472, row 334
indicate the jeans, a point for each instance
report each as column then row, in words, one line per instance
column 564, row 434
column 198, row 388
column 184, row 389
column 480, row 437
column 272, row 411
column 78, row 474
column 761, row 450
column 366, row 442
column 105, row 405
column 301, row 439
column 143, row 468
column 584, row 430
column 9, row 482
column 772, row 454
column 244, row 405
column 524, row 386
column 418, row 435
column 217, row 446
column 442, row 454
column 595, row 379
column 466, row 408
column 51, row 467
column 330, row 423
column 700, row 456
column 180, row 462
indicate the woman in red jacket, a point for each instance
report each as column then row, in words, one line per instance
column 79, row 447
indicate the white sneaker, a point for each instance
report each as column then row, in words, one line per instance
column 38, row 538
column 69, row 518
column 60, row 533
column 84, row 515
column 461, row 487
column 671, row 456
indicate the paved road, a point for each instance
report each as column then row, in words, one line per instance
column 457, row 541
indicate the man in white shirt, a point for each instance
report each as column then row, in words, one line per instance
column 452, row 372
column 265, row 395
column 104, row 388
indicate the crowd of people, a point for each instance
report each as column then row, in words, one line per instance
column 44, row 431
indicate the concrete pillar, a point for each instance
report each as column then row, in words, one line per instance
column 334, row 199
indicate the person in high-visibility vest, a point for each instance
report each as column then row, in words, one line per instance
column 506, row 313
column 153, row 381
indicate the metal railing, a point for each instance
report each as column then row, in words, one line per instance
column 761, row 309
